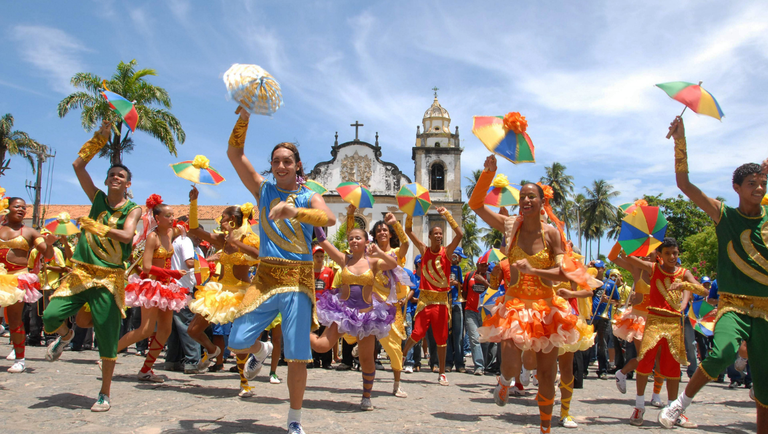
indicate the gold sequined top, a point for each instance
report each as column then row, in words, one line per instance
column 528, row 286
column 350, row 278
column 18, row 242
column 161, row 253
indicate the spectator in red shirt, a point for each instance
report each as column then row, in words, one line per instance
column 475, row 283
column 323, row 280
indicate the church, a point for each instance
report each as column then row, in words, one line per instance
column 437, row 166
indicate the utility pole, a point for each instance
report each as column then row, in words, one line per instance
column 42, row 155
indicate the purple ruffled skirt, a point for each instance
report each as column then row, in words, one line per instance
column 377, row 321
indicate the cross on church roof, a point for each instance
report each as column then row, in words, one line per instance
column 356, row 125
column 435, row 89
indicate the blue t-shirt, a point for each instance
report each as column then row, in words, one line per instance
column 608, row 289
column 713, row 291
column 286, row 238
column 415, row 282
column 456, row 274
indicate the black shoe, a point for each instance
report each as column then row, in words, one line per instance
column 735, row 384
column 601, row 376
column 234, row 369
column 217, row 368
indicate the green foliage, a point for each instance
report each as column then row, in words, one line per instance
column 14, row 142
column 684, row 217
column 700, row 254
column 492, row 238
column 626, row 275
column 339, row 239
column 598, row 214
column 471, row 239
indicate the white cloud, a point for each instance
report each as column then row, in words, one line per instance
column 54, row 52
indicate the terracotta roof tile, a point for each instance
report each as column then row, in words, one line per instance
column 204, row 212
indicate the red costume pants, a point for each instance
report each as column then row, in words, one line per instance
column 436, row 315
column 668, row 366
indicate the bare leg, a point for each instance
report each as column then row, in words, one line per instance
column 367, row 364
column 632, row 364
column 196, row 331
column 511, row 360
column 297, row 383
column 219, row 342
column 107, row 371
column 324, row 342
column 277, row 342
column 546, row 371
column 14, row 314
column 566, row 383
column 145, row 330
column 673, row 386
column 164, row 324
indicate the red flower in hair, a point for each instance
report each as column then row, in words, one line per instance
column 181, row 224
column 154, row 200
column 548, row 192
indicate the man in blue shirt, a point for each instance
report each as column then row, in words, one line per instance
column 455, row 352
column 601, row 301
column 413, row 357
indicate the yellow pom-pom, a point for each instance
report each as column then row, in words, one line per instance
column 200, row 162
column 63, row 217
column 500, row 181
column 246, row 209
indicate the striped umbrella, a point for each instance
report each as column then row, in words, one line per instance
column 197, row 171
column 356, row 194
column 505, row 136
column 413, row 199
column 501, row 194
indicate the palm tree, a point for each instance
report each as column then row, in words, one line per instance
column 14, row 143
column 131, row 84
column 614, row 226
column 492, row 237
column 472, row 181
column 597, row 209
column 561, row 183
column 471, row 239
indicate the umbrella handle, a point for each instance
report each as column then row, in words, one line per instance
column 681, row 115
column 239, row 107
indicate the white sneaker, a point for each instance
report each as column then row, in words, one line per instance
column 442, row 380
column 274, row 379
column 245, row 392
column 525, row 377
column 17, row 367
column 568, row 422
column 752, row 393
column 54, row 350
column 657, row 403
column 366, row 404
column 408, row 369
column 356, row 352
column 207, row 359
column 637, row 417
column 253, row 365
column 621, row 382
column 501, row 393
column 150, row 377
column 295, row 428
column 534, row 378
column 669, row 415
column 398, row 392
column 11, row 356
column 516, row 389
column 101, row 404
column 684, row 422
column 478, row 371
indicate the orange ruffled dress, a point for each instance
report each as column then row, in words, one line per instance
column 529, row 314
column 631, row 324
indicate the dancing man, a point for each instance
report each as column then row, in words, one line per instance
column 98, row 277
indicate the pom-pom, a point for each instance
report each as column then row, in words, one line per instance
column 246, row 209
column 63, row 217
column 153, row 201
column 200, row 162
column 548, row 192
column 515, row 122
column 500, row 181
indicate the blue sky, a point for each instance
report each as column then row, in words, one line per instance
column 581, row 72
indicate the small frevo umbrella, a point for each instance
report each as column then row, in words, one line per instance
column 122, row 107
column 316, row 187
column 62, row 224
column 693, row 96
column 505, row 136
column 501, row 193
column 642, row 231
column 356, row 194
column 492, row 255
column 488, row 301
column 253, row 88
column 197, row 171
column 413, row 199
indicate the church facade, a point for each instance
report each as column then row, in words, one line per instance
column 437, row 166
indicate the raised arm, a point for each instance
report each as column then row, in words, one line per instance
column 391, row 221
column 248, row 175
column 492, row 218
column 458, row 233
column 707, row 204
column 217, row 240
column 385, row 262
column 637, row 263
column 86, row 154
column 409, row 231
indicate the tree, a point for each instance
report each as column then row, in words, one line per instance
column 472, row 181
column 492, row 237
column 562, row 184
column 339, row 239
column 14, row 143
column 470, row 241
column 700, row 254
column 131, row 84
column 597, row 208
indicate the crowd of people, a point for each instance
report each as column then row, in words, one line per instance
column 537, row 318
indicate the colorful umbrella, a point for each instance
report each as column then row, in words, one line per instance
column 316, row 187
column 629, row 208
column 765, row 200
column 356, row 194
column 122, row 107
column 505, row 136
column 492, row 255
column 253, row 88
column 488, row 301
column 694, row 97
column 642, row 231
column 197, row 171
column 702, row 315
column 501, row 194
column 62, row 224
column 202, row 270
column 413, row 199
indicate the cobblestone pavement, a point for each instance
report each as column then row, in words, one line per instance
column 56, row 397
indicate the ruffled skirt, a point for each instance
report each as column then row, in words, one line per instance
column 377, row 321
column 532, row 325
column 218, row 303
column 586, row 338
column 19, row 287
column 630, row 325
column 150, row 293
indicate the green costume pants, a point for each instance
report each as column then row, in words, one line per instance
column 106, row 316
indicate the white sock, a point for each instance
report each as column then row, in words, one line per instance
column 294, row 416
column 656, row 397
column 620, row 375
column 640, row 401
column 262, row 353
column 504, row 381
column 684, row 400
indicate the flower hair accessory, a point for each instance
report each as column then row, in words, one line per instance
column 153, row 201
column 246, row 209
column 549, row 194
column 515, row 122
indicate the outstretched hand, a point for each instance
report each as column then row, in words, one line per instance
column 765, row 167
column 193, row 194
column 105, row 129
column 677, row 129
column 282, row 211
column 490, row 163
column 390, row 219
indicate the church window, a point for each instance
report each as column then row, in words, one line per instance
column 437, row 128
column 437, row 177
column 360, row 222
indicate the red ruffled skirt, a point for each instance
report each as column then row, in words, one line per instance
column 18, row 287
column 538, row 325
column 150, row 293
column 630, row 325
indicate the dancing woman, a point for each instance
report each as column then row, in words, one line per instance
column 528, row 317
column 355, row 308
column 155, row 290
column 218, row 302
column 17, row 284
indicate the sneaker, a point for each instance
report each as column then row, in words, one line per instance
column 442, row 380
column 399, row 393
column 525, row 377
column 740, row 365
column 657, row 403
column 517, row 389
column 435, row 369
column 621, row 382
column 17, row 367
column 53, row 352
column 273, row 379
column 101, row 404
column 12, row 355
column 366, row 404
column 191, row 370
column 150, row 377
column 684, row 422
column 734, row 384
column 408, row 369
column 217, row 368
column 245, row 392
column 343, row 367
column 568, row 422
column 637, row 417
column 447, row 369
column 253, row 365
column 669, row 415
column 478, row 371
column 295, row 428
column 501, row 394
column 207, row 359
column 462, row 370
column 356, row 352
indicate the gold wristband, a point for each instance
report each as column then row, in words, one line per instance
column 314, row 217
column 193, row 223
column 400, row 233
column 237, row 138
column 681, row 156
column 449, row 218
column 37, row 241
column 695, row 288
column 93, row 226
column 409, row 223
column 92, row 147
column 350, row 221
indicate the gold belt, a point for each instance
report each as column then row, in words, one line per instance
column 756, row 307
column 428, row 297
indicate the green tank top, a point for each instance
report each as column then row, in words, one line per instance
column 104, row 251
column 742, row 258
